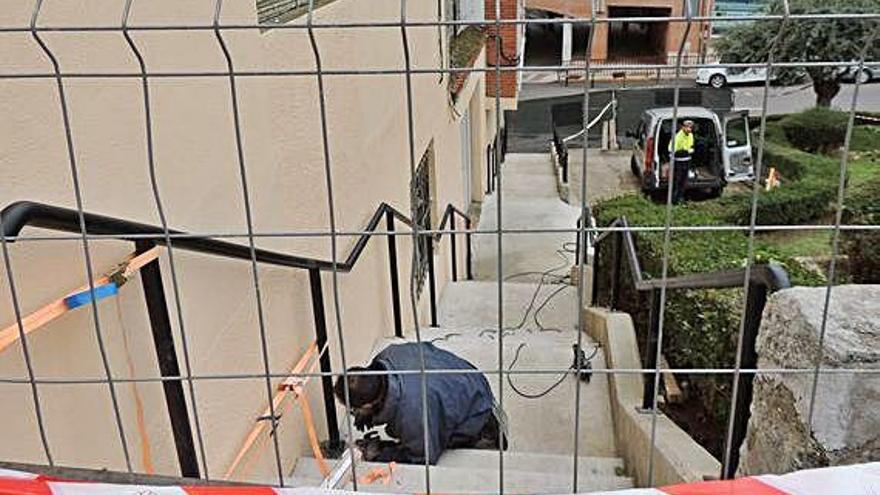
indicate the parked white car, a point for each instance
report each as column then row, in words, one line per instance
column 866, row 75
column 718, row 77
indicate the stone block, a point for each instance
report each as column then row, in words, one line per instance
column 845, row 426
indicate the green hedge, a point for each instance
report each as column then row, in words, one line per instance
column 702, row 325
column 862, row 247
column 815, row 130
column 808, row 186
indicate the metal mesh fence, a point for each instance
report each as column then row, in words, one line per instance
column 89, row 230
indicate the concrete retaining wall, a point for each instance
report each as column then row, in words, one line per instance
column 677, row 457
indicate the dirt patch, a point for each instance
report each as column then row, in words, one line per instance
column 608, row 174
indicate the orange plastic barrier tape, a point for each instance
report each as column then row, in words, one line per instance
column 54, row 309
column 379, row 473
column 743, row 486
column 277, row 401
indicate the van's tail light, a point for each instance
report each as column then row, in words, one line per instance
column 649, row 155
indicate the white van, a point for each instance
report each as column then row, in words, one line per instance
column 722, row 149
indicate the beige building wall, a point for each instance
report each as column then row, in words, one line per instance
column 200, row 186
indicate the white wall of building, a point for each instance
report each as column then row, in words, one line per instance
column 200, row 186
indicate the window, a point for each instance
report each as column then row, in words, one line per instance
column 736, row 132
column 420, row 198
column 281, row 11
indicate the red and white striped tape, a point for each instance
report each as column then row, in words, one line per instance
column 859, row 479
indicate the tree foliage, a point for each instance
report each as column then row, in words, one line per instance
column 841, row 39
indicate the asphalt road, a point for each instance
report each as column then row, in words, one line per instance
column 795, row 98
column 786, row 99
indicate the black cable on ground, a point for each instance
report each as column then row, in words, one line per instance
column 527, row 395
column 579, row 362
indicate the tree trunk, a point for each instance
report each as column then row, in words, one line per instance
column 826, row 90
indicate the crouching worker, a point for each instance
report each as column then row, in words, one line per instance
column 460, row 407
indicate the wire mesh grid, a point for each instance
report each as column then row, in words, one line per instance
column 494, row 22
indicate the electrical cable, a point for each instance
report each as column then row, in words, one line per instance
column 527, row 395
column 579, row 356
column 548, row 277
column 549, row 273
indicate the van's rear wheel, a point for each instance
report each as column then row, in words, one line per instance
column 717, row 81
column 634, row 166
column 714, row 192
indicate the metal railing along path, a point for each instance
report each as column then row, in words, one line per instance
column 88, row 228
column 17, row 216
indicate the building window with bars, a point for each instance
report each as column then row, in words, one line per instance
column 422, row 207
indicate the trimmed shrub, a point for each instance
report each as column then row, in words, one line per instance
column 815, row 130
column 862, row 247
column 702, row 325
column 809, row 185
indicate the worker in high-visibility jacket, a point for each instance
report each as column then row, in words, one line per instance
column 682, row 149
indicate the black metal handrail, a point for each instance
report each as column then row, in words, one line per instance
column 16, row 216
column 763, row 278
column 20, row 214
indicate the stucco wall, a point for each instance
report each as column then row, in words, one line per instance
column 200, row 185
column 677, row 458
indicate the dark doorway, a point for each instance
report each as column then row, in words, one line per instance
column 641, row 42
column 544, row 41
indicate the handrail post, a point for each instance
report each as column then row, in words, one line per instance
column 597, row 250
column 470, row 258
column 166, row 356
column 563, row 159
column 489, row 154
column 615, row 277
column 453, row 250
column 392, row 266
column 577, row 244
column 755, row 302
column 651, row 351
column 432, row 286
column 321, row 341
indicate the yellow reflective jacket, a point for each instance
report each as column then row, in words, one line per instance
column 684, row 142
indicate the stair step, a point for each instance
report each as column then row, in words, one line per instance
column 533, row 462
column 528, row 417
column 410, row 478
column 474, row 304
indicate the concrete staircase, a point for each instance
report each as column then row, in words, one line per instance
column 476, row 472
column 540, row 458
column 540, row 321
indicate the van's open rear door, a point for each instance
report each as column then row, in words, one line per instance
column 737, row 149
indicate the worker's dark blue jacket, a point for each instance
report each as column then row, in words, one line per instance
column 458, row 404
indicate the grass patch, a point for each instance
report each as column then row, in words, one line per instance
column 702, row 325
column 865, row 138
column 796, row 243
column 464, row 47
column 463, row 51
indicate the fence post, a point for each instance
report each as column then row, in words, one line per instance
column 432, row 286
column 469, row 254
column 615, row 277
column 651, row 351
column 453, row 251
column 320, row 341
column 395, row 281
column 755, row 301
column 166, row 355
